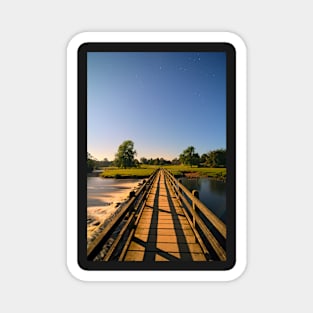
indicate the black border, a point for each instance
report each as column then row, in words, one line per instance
column 230, row 147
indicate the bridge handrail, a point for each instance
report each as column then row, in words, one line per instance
column 95, row 246
column 215, row 221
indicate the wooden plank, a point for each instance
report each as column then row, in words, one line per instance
column 175, row 247
column 134, row 256
column 163, row 233
column 175, row 238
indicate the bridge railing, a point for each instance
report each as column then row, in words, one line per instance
column 213, row 230
column 122, row 221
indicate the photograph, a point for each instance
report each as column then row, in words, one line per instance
column 157, row 160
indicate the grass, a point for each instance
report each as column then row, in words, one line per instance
column 176, row 170
column 110, row 172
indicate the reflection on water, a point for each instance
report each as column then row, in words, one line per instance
column 211, row 192
column 191, row 183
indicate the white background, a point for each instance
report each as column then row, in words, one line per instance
column 34, row 35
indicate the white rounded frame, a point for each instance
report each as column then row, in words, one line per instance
column 241, row 154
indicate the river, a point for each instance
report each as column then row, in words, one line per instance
column 104, row 195
column 211, row 192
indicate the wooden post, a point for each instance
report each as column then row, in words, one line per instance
column 180, row 181
column 195, row 193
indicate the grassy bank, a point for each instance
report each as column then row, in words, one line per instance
column 184, row 170
column 176, row 170
column 111, row 172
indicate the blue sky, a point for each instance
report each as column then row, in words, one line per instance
column 162, row 101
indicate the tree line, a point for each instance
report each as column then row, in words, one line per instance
column 125, row 158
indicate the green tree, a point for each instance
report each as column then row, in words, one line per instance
column 106, row 162
column 91, row 162
column 216, row 158
column 143, row 160
column 156, row 161
column 195, row 160
column 189, row 156
column 175, row 162
column 125, row 156
column 203, row 159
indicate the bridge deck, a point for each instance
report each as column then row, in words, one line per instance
column 163, row 232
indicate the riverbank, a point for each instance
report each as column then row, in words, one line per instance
column 177, row 170
column 126, row 173
column 218, row 176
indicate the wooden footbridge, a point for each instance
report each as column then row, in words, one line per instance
column 162, row 221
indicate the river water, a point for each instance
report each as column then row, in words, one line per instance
column 211, row 192
column 104, row 196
